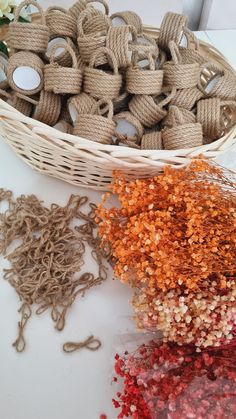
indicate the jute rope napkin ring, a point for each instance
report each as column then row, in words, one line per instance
column 144, row 81
column 95, row 126
column 144, row 46
column 129, row 18
column 177, row 74
column 80, row 5
column 172, row 29
column 20, row 65
column 18, row 101
column 187, row 98
column 152, row 141
column 215, row 82
column 88, row 44
column 60, row 22
column 189, row 56
column 148, row 109
column 62, row 80
column 212, row 117
column 97, row 22
column 26, row 35
column 118, row 40
column 62, row 57
column 134, row 122
column 177, row 115
column 99, row 83
column 47, row 108
column 80, row 104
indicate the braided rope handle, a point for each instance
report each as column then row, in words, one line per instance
column 97, row 108
column 56, row 8
column 107, row 52
column 191, row 38
column 175, row 54
column 149, row 56
column 82, row 16
column 67, row 48
column 27, row 99
column 28, row 3
column 168, row 98
column 103, row 2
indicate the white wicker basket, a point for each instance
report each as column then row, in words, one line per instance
column 90, row 164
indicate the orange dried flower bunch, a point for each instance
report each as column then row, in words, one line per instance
column 174, row 238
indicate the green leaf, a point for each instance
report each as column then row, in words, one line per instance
column 4, row 21
column 3, row 48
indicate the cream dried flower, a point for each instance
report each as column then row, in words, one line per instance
column 6, row 9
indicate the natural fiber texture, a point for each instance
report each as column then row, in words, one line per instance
column 21, row 103
column 118, row 40
column 209, row 115
column 178, row 116
column 29, row 36
column 142, row 81
column 187, row 98
column 124, row 138
column 45, row 267
column 99, row 83
column 95, row 126
column 152, row 141
column 182, row 136
column 97, row 23
column 180, row 75
column 144, row 46
column 29, row 59
column 121, row 102
column 64, row 59
column 90, row 343
column 62, row 79
column 171, row 29
column 82, row 103
column 4, row 83
column 189, row 56
column 48, row 108
column 77, row 8
column 60, row 22
column 130, row 18
column 225, row 87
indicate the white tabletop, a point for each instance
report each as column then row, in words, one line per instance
column 43, row 382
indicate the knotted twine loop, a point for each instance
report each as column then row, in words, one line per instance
column 180, row 75
column 187, row 98
column 59, row 79
column 60, row 22
column 99, row 83
column 152, row 141
column 26, row 313
column 148, row 109
column 144, row 81
column 82, row 103
column 22, row 59
column 124, row 138
column 171, row 29
column 48, row 108
column 95, row 126
column 130, row 18
column 118, row 40
column 88, row 44
column 22, row 103
column 90, row 343
column 177, row 116
column 81, row 5
column 182, row 136
column 26, row 35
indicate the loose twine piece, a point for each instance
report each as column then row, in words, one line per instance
column 90, row 343
column 45, row 266
column 144, row 81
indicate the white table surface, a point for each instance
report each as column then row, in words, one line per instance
column 43, row 382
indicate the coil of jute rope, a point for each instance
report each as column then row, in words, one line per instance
column 22, row 65
column 97, row 22
column 118, row 40
column 171, row 29
column 47, row 108
column 177, row 116
column 99, row 83
column 62, row 56
column 81, row 5
column 29, row 36
column 3, row 76
column 152, row 141
column 187, row 98
column 95, row 126
column 177, row 74
column 144, row 81
column 149, row 110
column 129, row 18
column 182, row 136
column 61, row 80
column 80, row 104
column 60, row 22
column 22, row 103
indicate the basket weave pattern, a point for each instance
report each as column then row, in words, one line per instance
column 90, row 164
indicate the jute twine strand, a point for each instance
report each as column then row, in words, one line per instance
column 209, row 115
column 29, row 36
column 29, row 59
column 182, row 136
column 22, row 103
column 187, row 98
column 127, row 116
column 177, row 116
column 190, row 56
column 59, row 79
column 118, row 40
column 130, row 18
column 171, row 29
column 95, row 126
column 82, row 103
column 99, row 83
column 48, row 108
column 90, row 343
column 180, row 75
column 26, row 313
column 152, row 141
column 142, row 81
column 60, row 22
column 225, row 87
